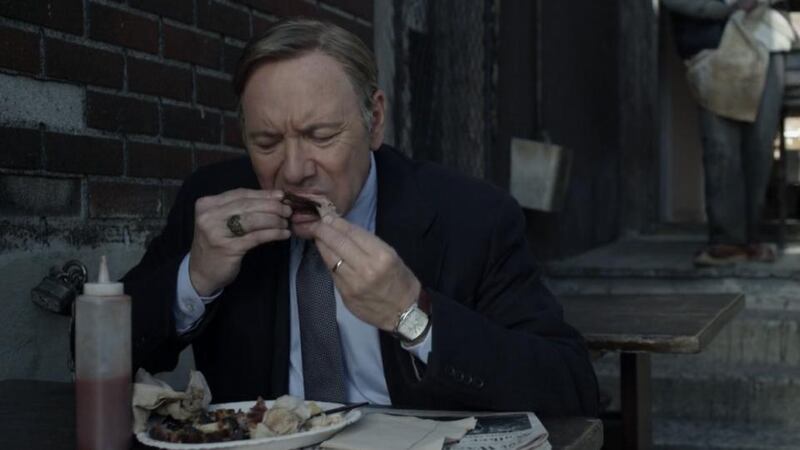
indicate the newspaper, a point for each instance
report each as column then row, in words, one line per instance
column 493, row 431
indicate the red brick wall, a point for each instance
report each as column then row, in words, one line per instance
column 154, row 76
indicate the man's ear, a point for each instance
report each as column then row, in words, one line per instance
column 377, row 120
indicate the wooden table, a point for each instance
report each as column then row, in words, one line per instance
column 637, row 325
column 40, row 415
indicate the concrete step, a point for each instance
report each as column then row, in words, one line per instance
column 706, row 435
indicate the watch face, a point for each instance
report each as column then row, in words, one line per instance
column 413, row 325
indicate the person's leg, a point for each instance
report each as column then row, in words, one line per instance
column 757, row 146
column 724, row 189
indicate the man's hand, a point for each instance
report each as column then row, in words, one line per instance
column 216, row 254
column 375, row 284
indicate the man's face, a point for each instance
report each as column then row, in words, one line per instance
column 305, row 133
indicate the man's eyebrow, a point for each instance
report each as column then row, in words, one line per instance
column 263, row 133
column 322, row 125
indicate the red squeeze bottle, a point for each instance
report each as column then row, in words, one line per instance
column 103, row 365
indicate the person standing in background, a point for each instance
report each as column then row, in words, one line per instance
column 737, row 155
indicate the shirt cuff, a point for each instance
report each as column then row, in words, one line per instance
column 422, row 349
column 189, row 305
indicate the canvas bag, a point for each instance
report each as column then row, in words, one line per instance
column 729, row 80
column 771, row 28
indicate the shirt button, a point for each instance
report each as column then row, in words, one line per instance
column 190, row 308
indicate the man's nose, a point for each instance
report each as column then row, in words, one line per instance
column 298, row 165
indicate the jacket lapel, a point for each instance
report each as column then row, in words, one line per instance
column 405, row 220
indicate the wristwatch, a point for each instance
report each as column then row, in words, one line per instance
column 412, row 326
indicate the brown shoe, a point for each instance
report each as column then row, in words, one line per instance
column 721, row 255
column 762, row 252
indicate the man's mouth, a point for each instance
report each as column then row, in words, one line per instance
column 301, row 205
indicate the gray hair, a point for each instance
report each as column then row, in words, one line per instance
column 296, row 37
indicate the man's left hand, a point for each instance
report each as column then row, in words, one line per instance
column 375, row 284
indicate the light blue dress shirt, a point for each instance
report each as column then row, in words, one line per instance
column 360, row 343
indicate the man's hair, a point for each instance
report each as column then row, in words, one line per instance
column 297, row 37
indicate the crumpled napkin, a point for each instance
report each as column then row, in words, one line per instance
column 153, row 395
column 390, row 432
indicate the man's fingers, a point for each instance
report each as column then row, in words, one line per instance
column 332, row 259
column 244, row 206
column 259, row 237
column 334, row 244
column 241, row 193
column 366, row 241
column 255, row 221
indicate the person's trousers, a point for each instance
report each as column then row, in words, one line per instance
column 737, row 159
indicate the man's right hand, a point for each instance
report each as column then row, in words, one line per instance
column 217, row 253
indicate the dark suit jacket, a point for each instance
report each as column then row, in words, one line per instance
column 499, row 341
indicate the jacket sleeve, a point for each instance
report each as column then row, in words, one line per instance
column 152, row 284
column 510, row 349
column 700, row 9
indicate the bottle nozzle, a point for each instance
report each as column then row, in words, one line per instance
column 102, row 273
column 104, row 286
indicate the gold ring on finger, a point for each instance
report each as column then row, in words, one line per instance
column 337, row 265
column 234, row 224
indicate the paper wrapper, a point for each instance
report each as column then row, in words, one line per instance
column 153, row 395
column 389, row 432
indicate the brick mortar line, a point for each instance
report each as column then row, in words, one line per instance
column 85, row 40
column 125, row 179
column 118, row 49
column 213, row 73
column 56, row 222
column 190, row 27
column 263, row 15
column 78, row 132
column 363, row 22
column 160, row 106
column 118, row 136
column 125, row 155
column 41, row 173
column 154, row 98
column 232, row 40
column 166, row 142
column 86, row 23
column 242, row 8
column 20, row 25
column 224, row 148
column 161, row 37
column 42, row 49
column 338, row 11
column 124, row 7
column 125, row 71
column 194, row 85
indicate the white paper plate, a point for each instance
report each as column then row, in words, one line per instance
column 287, row 442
